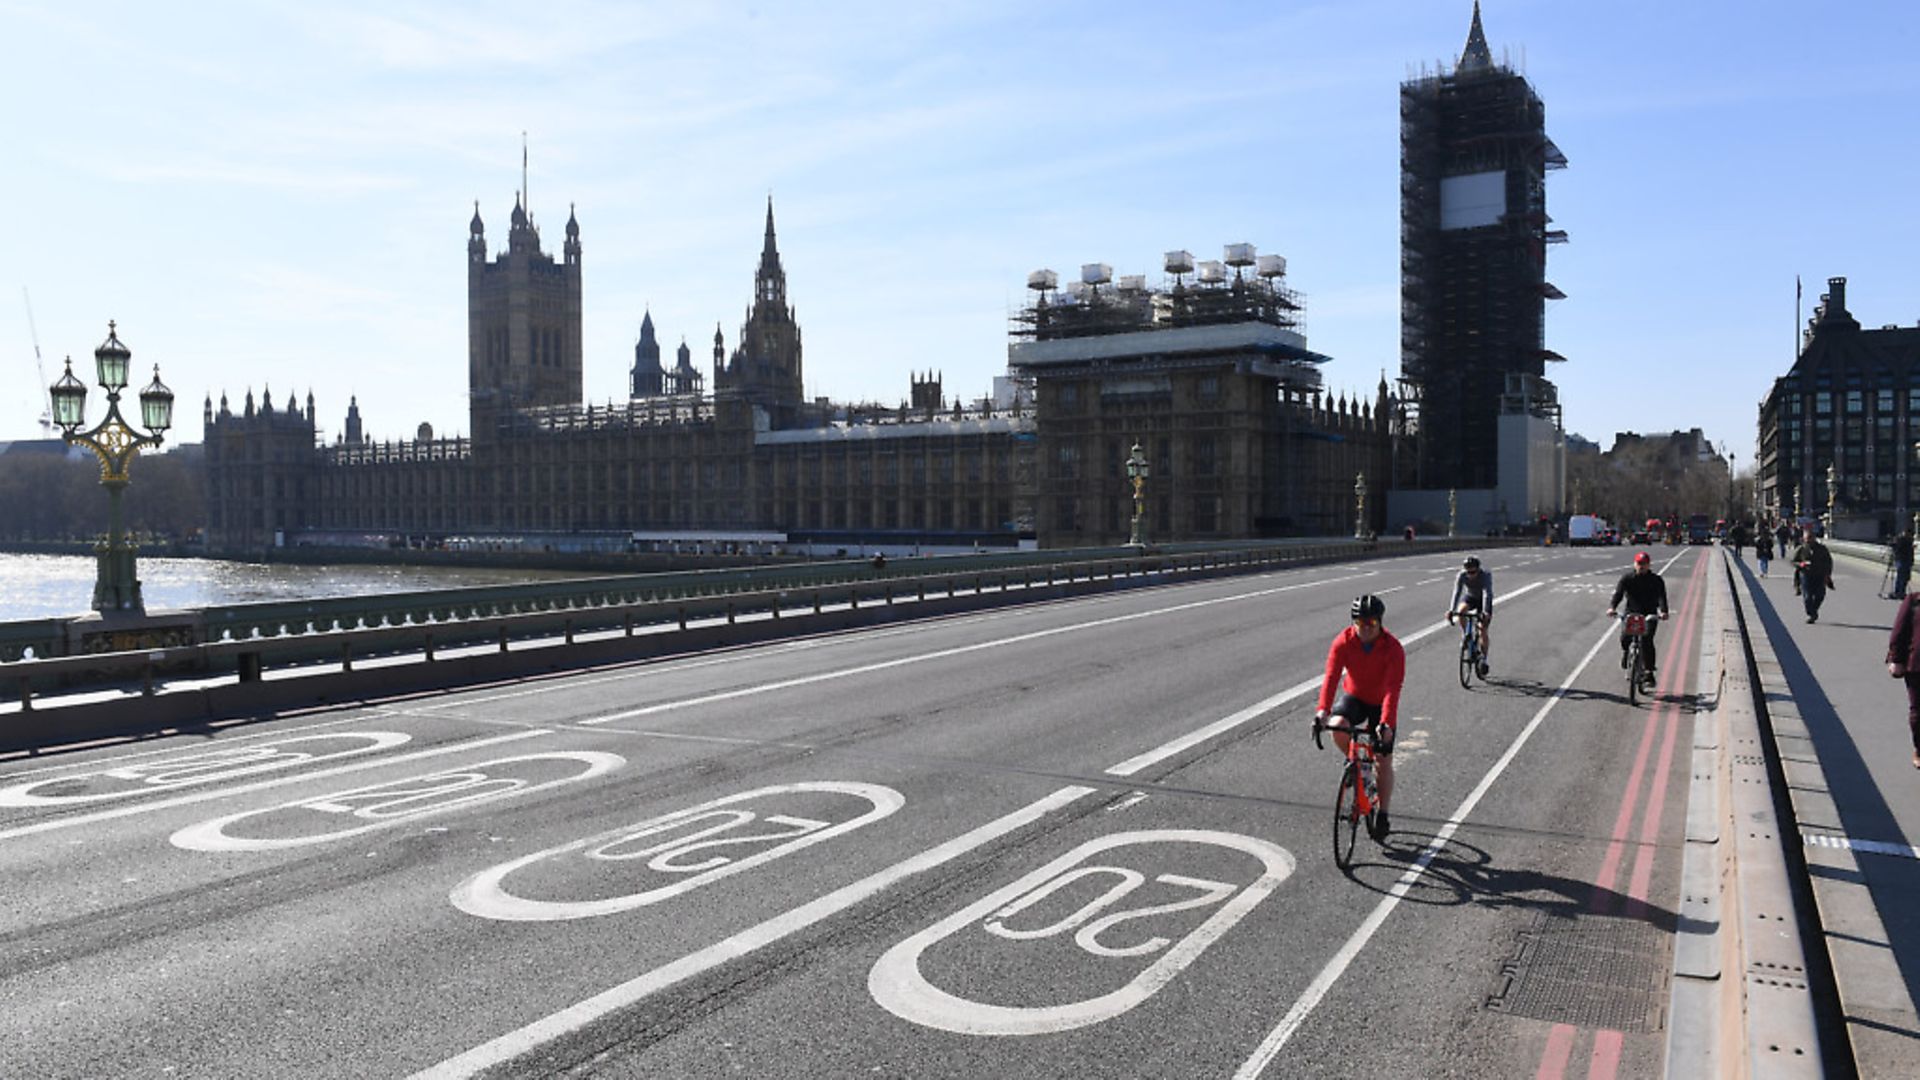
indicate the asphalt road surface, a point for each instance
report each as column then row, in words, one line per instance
column 1086, row 838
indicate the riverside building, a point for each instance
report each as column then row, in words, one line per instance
column 1849, row 411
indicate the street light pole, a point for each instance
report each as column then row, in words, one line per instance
column 1360, row 506
column 1831, row 492
column 1138, row 469
column 116, row 444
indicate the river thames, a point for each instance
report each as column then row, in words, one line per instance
column 44, row 586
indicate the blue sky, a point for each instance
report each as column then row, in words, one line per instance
column 277, row 193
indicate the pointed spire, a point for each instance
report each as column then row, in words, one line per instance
column 646, row 324
column 573, row 223
column 768, row 250
column 1476, row 56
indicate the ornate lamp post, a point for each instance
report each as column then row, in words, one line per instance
column 1138, row 469
column 1359, row 506
column 1453, row 511
column 115, row 443
column 1832, row 490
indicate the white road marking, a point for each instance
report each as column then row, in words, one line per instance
column 514, row 1043
column 1316, row 990
column 655, row 670
column 359, row 717
column 941, row 654
column 898, row 985
column 395, row 802
column 1870, row 847
column 484, row 894
column 204, row 766
column 1259, row 708
column 261, row 785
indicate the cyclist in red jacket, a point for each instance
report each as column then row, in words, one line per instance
column 1374, row 666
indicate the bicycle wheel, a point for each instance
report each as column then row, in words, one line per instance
column 1634, row 668
column 1346, row 817
column 1467, row 660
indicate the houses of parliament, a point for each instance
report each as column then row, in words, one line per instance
column 1207, row 372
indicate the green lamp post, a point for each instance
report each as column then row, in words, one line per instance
column 116, row 444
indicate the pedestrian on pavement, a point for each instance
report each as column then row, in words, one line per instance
column 1763, row 550
column 1903, row 662
column 1816, row 573
column 1901, row 551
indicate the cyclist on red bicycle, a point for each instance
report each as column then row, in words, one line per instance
column 1374, row 666
column 1645, row 592
column 1473, row 592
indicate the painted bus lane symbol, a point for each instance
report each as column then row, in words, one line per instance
column 380, row 806
column 678, row 852
column 201, row 767
column 1140, row 927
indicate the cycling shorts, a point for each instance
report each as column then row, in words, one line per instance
column 1361, row 716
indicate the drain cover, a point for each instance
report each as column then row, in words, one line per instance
column 1591, row 971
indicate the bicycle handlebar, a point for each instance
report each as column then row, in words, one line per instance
column 1320, row 725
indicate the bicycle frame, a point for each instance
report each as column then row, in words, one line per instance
column 1469, row 646
column 1636, row 628
column 1359, row 778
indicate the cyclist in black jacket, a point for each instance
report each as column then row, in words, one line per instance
column 1646, row 594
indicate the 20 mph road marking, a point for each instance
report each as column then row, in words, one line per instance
column 898, row 984
column 666, row 846
column 511, row 1045
column 263, row 785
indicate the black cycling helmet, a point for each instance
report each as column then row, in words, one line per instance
column 1472, row 563
column 1368, row 607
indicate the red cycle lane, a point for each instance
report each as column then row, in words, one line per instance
column 1663, row 720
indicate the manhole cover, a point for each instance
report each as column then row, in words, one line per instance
column 1592, row 971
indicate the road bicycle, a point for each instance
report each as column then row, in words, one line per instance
column 1636, row 629
column 1358, row 799
column 1470, row 656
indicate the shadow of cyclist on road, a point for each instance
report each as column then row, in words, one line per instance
column 1461, row 873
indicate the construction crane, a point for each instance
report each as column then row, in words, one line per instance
column 46, row 403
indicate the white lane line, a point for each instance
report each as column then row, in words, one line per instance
column 1194, row 738
column 1276, row 1039
column 94, row 763
column 941, row 654
column 1870, row 847
column 654, row 671
column 574, row 1017
column 260, row 785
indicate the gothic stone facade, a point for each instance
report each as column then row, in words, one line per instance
column 1225, row 403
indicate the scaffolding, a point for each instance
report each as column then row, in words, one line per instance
column 1192, row 294
column 1473, row 273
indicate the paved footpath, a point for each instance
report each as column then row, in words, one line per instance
column 1840, row 723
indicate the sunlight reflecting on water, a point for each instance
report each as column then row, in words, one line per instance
column 44, row 586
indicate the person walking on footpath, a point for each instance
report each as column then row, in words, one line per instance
column 1815, row 563
column 1901, row 551
column 1903, row 662
column 1763, row 550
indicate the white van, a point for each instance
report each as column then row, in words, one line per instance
column 1586, row 529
